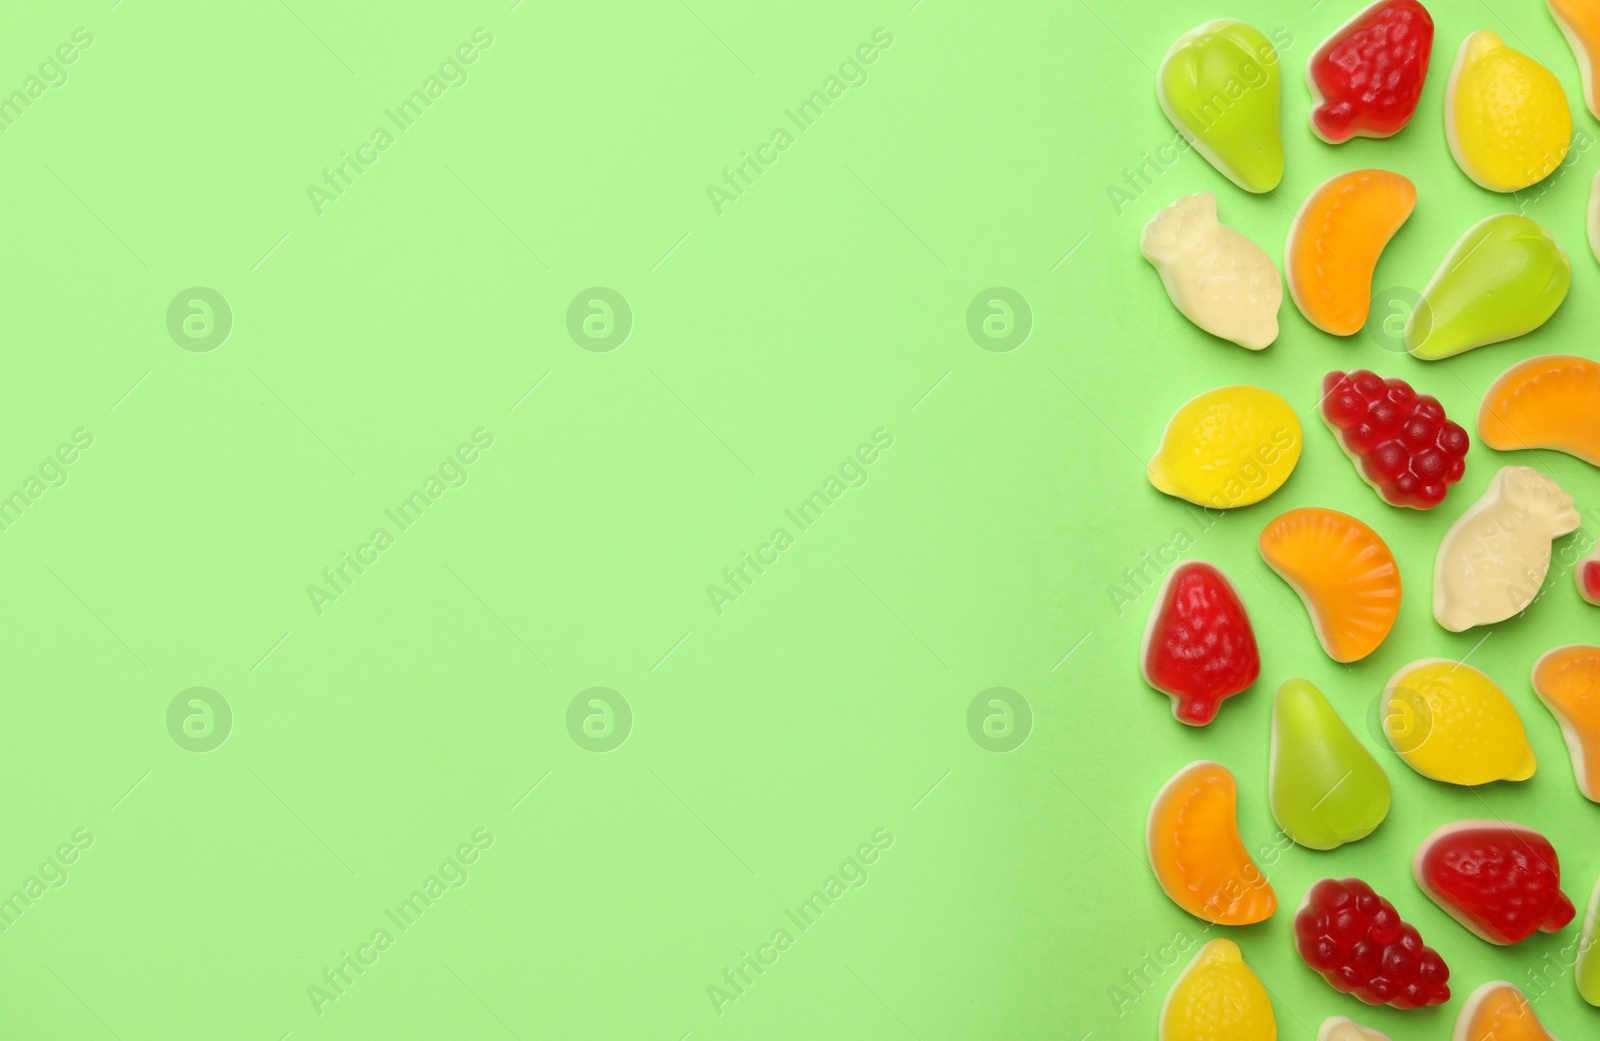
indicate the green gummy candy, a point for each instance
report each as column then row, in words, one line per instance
column 1219, row 86
column 1506, row 277
column 1588, row 967
column 1325, row 788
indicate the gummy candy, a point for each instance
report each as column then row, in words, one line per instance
column 1504, row 278
column 1552, row 401
column 1358, row 942
column 1343, row 572
column 1366, row 77
column 1334, row 243
column 1505, row 115
column 1193, row 840
column 1495, row 556
column 1228, row 447
column 1588, row 968
column 1325, row 787
column 1580, row 24
column 1401, row 442
column 1593, row 222
column 1218, row 278
column 1498, row 1011
column 1588, row 575
column 1451, row 723
column 1219, row 86
column 1199, row 647
column 1338, row 1028
column 1567, row 680
column 1217, row 996
column 1501, row 881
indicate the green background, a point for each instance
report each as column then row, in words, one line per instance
column 768, row 740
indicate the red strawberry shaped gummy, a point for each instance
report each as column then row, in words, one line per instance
column 1501, row 881
column 1589, row 579
column 1400, row 440
column 1198, row 646
column 1357, row 941
column 1366, row 78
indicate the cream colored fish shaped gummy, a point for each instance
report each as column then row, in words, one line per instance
column 1221, row 280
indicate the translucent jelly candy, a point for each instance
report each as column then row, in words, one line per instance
column 1358, row 942
column 1219, row 86
column 1343, row 572
column 1451, row 723
column 1593, row 221
column 1194, row 846
column 1580, row 24
column 1505, row 115
column 1401, row 442
column 1498, row 1011
column 1567, row 680
column 1218, row 278
column 1334, row 243
column 1199, row 647
column 1325, row 787
column 1588, row 575
column 1552, row 401
column 1366, row 77
column 1228, row 447
column 1217, row 996
column 1504, row 278
column 1495, row 556
column 1588, row 968
column 1338, row 1028
column 1501, row 881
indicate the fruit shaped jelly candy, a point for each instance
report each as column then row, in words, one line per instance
column 1498, row 1011
column 1228, row 447
column 1552, row 401
column 1592, row 223
column 1195, row 850
column 1325, row 787
column 1338, row 1028
column 1505, row 115
column 1217, row 996
column 1344, row 574
column 1567, row 680
column 1199, row 647
column 1334, row 243
column 1219, row 86
column 1588, row 967
column 1505, row 277
column 1219, row 279
column 1501, row 881
column 1588, row 575
column 1366, row 77
column 1451, row 723
column 1494, row 558
column 1579, row 21
column 1401, row 442
column 1358, row 942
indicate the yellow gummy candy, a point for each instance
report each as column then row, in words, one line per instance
column 1229, row 447
column 1452, row 723
column 1505, row 115
column 1217, row 997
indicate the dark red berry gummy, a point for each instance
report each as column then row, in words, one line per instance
column 1358, row 942
column 1403, row 444
column 1200, row 647
column 1503, row 883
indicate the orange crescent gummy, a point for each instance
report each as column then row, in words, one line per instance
column 1567, row 680
column 1552, row 401
column 1498, row 1011
column 1196, row 852
column 1344, row 573
column 1335, row 241
column 1580, row 24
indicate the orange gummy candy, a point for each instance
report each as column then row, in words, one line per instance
column 1498, row 1011
column 1196, row 852
column 1552, row 401
column 1567, row 680
column 1335, row 241
column 1343, row 572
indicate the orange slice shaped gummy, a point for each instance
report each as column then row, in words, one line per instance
column 1334, row 243
column 1343, row 572
column 1196, row 852
column 1498, row 1011
column 1551, row 401
column 1567, row 680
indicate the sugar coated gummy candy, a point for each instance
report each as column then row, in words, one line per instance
column 1192, row 837
column 1501, row 881
column 1359, row 943
column 1219, row 85
column 1366, row 77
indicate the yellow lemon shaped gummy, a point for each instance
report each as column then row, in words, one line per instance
column 1505, row 115
column 1451, row 723
column 1229, row 447
column 1218, row 998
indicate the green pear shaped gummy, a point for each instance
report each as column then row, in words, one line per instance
column 1506, row 277
column 1325, row 788
column 1219, row 86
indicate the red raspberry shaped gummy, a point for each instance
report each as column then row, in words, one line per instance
column 1400, row 440
column 1366, row 77
column 1501, row 881
column 1199, row 646
column 1356, row 940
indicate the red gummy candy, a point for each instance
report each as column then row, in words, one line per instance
column 1401, row 441
column 1366, row 78
column 1358, row 942
column 1501, row 881
column 1589, row 580
column 1199, row 647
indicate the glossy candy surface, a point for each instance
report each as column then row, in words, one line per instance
column 1334, row 243
column 1219, row 85
column 1501, row 881
column 1339, row 1028
column 1325, row 788
column 1228, row 447
column 1567, row 680
column 1505, row 115
column 1215, row 276
column 1199, row 647
column 1587, row 969
column 1343, row 572
column 1401, row 442
column 1366, row 77
column 1552, row 401
column 1451, row 723
column 1195, row 850
column 1587, row 574
column 1579, row 21
column 1217, row 997
column 1358, row 942
column 1498, row 1011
